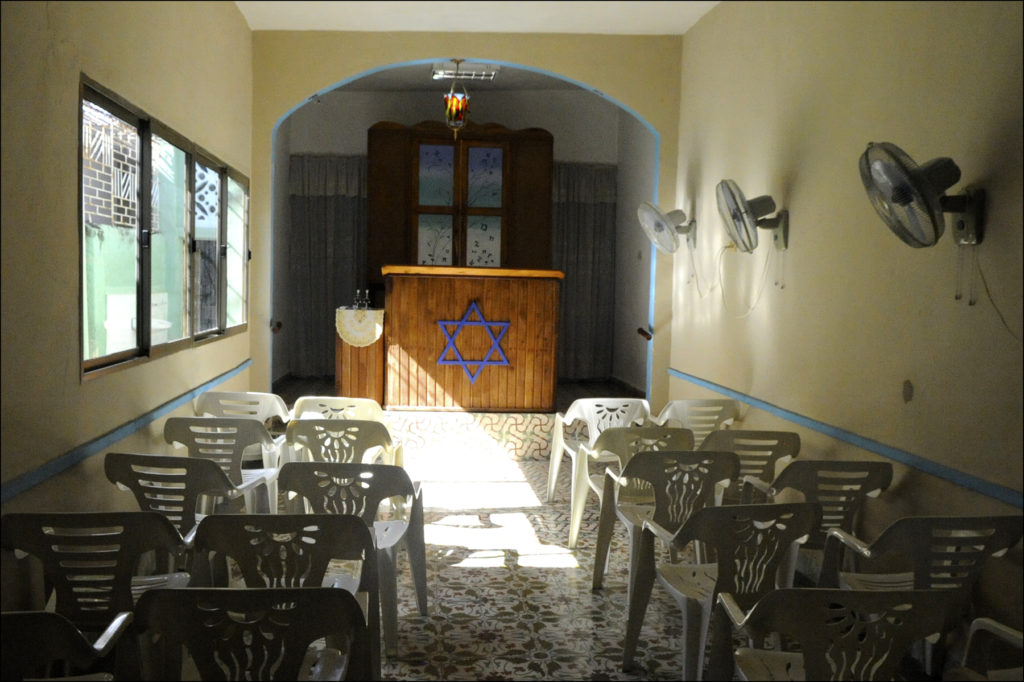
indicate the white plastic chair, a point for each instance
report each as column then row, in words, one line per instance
column 230, row 441
column 751, row 543
column 700, row 415
column 984, row 637
column 341, row 407
column 259, row 406
column 389, row 503
column 596, row 414
column 616, row 445
column 340, row 440
column 763, row 455
column 838, row 634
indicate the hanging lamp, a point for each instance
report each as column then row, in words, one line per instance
column 456, row 104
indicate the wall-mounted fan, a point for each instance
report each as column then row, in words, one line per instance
column 663, row 229
column 742, row 217
column 911, row 200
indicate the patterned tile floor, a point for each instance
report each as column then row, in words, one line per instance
column 507, row 599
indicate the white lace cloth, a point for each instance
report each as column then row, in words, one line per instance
column 359, row 327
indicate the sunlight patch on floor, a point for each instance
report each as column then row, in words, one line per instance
column 488, row 537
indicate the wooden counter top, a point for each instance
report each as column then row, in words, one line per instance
column 451, row 271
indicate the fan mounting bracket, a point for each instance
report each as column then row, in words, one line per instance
column 778, row 225
column 969, row 208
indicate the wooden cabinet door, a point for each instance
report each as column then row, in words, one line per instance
column 482, row 199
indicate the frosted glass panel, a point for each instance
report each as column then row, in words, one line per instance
column 437, row 175
column 483, row 238
column 434, row 240
column 484, row 190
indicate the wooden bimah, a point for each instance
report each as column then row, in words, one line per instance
column 475, row 339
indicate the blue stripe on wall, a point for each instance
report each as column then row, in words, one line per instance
column 69, row 459
column 1001, row 493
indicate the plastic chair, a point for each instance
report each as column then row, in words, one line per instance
column 841, row 634
column 763, row 454
column 94, row 562
column 174, row 486
column 700, row 415
column 340, row 440
column 751, row 543
column 256, row 633
column 922, row 552
column 616, row 445
column 840, row 487
column 596, row 414
column 359, row 489
column 980, row 660
column 228, row 441
column 682, row 482
column 340, row 407
column 263, row 407
column 290, row 550
column 43, row 644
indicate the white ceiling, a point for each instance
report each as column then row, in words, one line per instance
column 608, row 18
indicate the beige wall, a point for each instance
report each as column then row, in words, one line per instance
column 187, row 64
column 783, row 98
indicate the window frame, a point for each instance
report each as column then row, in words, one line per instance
column 146, row 127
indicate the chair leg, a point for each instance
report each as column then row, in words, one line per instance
column 578, row 499
column 694, row 631
column 555, row 463
column 388, row 599
column 605, row 526
column 633, row 534
column 416, row 548
column 642, row 584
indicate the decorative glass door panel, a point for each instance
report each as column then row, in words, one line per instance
column 437, row 175
column 434, row 239
column 460, row 203
column 484, row 177
column 483, row 241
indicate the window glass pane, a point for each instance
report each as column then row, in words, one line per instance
column 110, row 221
column 207, row 204
column 437, row 175
column 484, row 180
column 238, row 210
column 169, row 244
column 434, row 240
column 483, row 241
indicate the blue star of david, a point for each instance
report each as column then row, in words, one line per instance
column 451, row 330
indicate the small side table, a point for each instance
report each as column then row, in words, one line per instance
column 359, row 353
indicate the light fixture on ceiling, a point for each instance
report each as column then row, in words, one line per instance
column 467, row 71
column 456, row 104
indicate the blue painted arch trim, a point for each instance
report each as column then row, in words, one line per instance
column 32, row 478
column 1001, row 493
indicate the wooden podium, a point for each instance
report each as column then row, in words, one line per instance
column 475, row 339
column 358, row 360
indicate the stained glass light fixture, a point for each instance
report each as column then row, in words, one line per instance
column 456, row 104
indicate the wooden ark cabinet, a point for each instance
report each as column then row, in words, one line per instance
column 479, row 199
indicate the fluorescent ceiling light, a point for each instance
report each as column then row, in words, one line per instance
column 471, row 71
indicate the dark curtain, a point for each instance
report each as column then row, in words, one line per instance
column 583, row 247
column 326, row 253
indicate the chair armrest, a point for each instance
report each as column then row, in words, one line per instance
column 616, row 478
column 245, row 487
column 851, row 541
column 727, row 618
column 751, row 483
column 108, row 638
column 659, row 531
column 837, row 540
column 731, row 609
